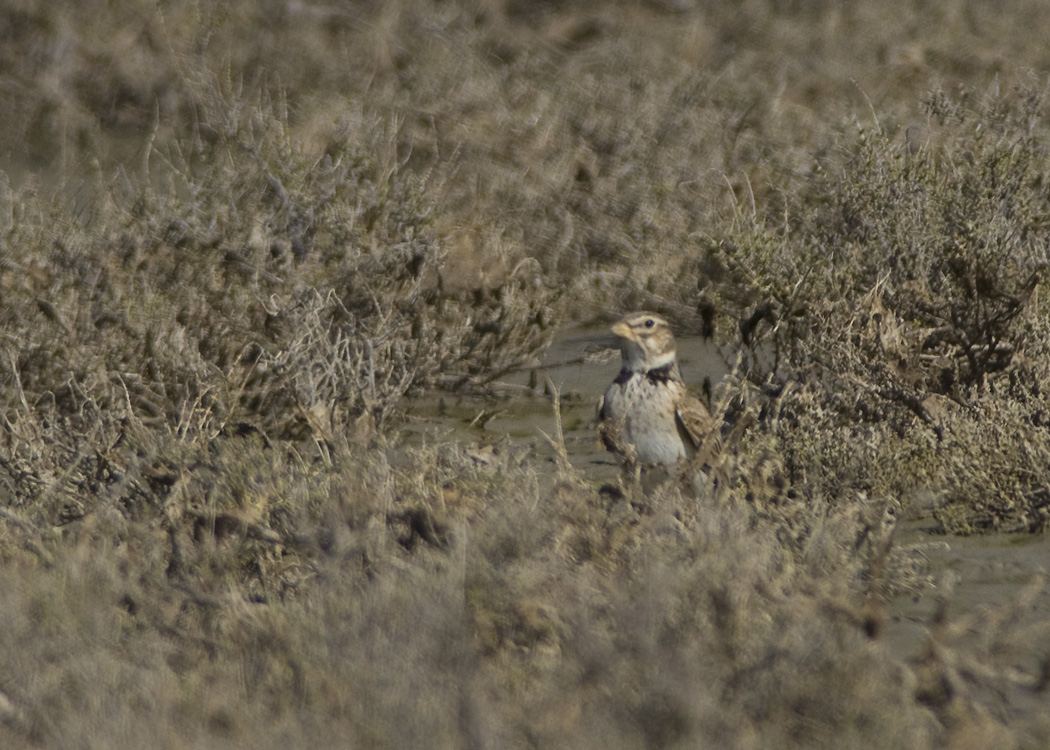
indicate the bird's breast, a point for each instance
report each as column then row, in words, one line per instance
column 644, row 411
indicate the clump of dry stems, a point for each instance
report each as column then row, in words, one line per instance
column 233, row 239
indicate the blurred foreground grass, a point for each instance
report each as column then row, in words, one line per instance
column 235, row 237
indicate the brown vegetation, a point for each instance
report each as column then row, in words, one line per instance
column 235, row 238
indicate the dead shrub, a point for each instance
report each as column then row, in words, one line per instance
column 250, row 280
column 903, row 294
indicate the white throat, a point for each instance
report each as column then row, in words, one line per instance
column 634, row 358
column 661, row 361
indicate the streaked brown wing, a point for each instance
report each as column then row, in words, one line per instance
column 694, row 421
column 609, row 430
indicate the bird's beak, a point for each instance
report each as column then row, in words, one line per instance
column 622, row 330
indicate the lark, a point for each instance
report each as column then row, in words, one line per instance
column 647, row 415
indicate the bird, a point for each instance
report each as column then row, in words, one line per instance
column 647, row 415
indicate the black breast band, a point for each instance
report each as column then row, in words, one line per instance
column 660, row 374
column 623, row 377
column 656, row 375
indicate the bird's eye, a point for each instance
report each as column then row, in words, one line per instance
column 650, row 323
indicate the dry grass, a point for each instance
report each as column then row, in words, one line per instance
column 233, row 239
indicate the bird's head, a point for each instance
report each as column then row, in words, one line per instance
column 646, row 341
